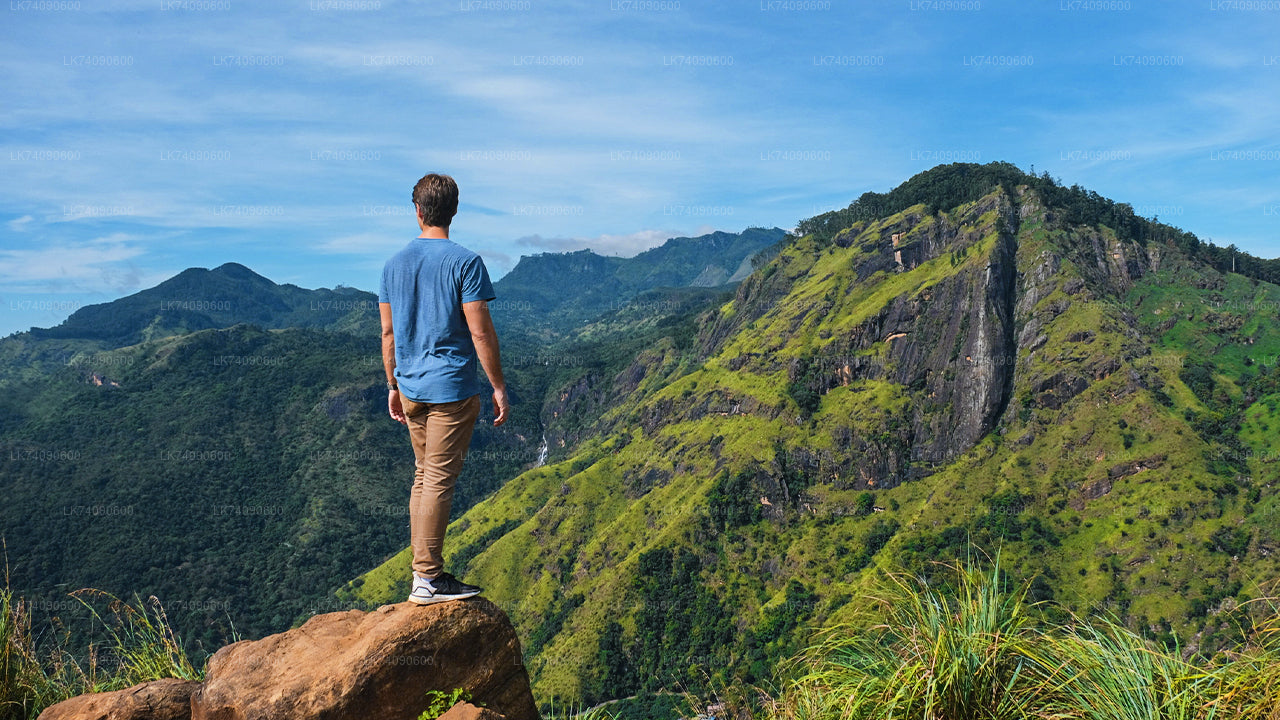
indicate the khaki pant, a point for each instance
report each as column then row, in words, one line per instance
column 440, row 434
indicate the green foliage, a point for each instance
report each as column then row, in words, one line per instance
column 683, row 632
column 864, row 504
column 733, row 501
column 804, row 388
column 553, row 622
column 876, row 537
column 1249, row 684
column 239, row 472
column 439, row 702
column 948, row 186
column 780, row 622
column 463, row 557
column 1101, row 669
column 1198, row 376
column 651, row 706
column 618, row 674
column 143, row 641
column 974, row 647
column 1231, row 541
column 941, row 188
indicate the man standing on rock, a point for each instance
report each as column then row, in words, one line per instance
column 433, row 300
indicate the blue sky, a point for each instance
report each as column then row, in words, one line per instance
column 144, row 137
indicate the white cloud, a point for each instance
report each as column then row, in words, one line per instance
column 379, row 244
column 99, row 264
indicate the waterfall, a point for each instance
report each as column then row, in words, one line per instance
column 542, row 451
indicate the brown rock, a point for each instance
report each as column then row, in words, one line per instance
column 467, row 711
column 167, row 699
column 370, row 666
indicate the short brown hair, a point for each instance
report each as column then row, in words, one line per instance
column 436, row 197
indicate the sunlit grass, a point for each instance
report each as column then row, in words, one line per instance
column 1107, row 671
column 1250, row 682
column 935, row 654
column 975, row 648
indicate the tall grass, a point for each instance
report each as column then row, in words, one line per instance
column 143, row 643
column 934, row 655
column 977, row 650
column 1107, row 671
column 1250, row 682
column 35, row 674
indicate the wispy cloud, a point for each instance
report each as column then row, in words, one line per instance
column 100, row 264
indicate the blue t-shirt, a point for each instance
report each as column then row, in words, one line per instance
column 426, row 284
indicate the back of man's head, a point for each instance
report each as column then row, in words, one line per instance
column 436, row 197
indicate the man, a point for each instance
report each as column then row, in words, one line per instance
column 433, row 300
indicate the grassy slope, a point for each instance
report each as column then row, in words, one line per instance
column 1136, row 550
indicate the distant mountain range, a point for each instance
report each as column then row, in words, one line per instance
column 199, row 299
column 978, row 361
column 552, row 294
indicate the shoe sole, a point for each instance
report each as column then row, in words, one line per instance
column 441, row 598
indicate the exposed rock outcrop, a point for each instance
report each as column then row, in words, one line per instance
column 348, row 665
column 167, row 699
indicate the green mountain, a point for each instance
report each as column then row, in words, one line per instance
column 977, row 358
column 550, row 295
column 200, row 299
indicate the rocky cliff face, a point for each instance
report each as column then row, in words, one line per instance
column 957, row 344
column 953, row 343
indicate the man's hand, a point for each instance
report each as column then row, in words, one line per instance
column 395, row 408
column 501, row 406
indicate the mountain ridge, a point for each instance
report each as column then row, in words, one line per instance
column 202, row 299
column 585, row 284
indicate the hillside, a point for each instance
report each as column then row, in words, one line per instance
column 239, row 475
column 979, row 357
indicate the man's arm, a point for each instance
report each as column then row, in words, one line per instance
column 389, row 364
column 485, row 338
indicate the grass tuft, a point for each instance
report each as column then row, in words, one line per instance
column 971, row 647
column 936, row 654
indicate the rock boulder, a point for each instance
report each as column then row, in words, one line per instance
column 166, row 699
column 350, row 665
column 378, row 664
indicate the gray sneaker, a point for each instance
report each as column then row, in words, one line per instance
column 442, row 588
